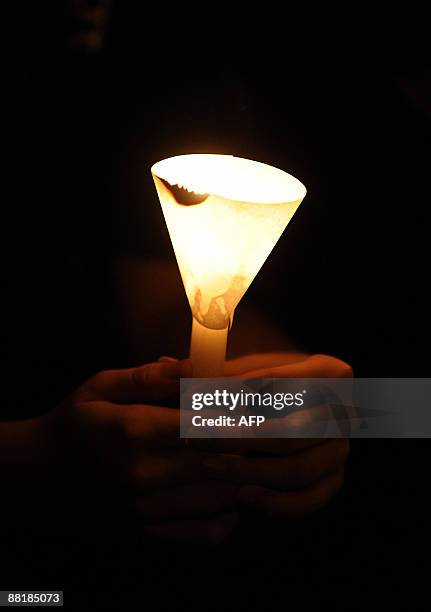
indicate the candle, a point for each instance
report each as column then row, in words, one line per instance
column 224, row 216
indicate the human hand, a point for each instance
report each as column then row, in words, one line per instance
column 284, row 477
column 110, row 443
column 140, row 458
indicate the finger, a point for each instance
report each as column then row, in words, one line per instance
column 147, row 383
column 241, row 446
column 257, row 361
column 166, row 359
column 197, row 501
column 136, row 425
column 173, row 466
column 292, row 504
column 289, row 472
column 206, row 533
column 315, row 366
column 278, row 436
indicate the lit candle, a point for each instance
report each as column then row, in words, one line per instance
column 224, row 215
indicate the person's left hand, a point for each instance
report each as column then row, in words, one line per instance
column 281, row 478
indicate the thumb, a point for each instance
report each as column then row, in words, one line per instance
column 146, row 383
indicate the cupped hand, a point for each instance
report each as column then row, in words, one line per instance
column 109, row 439
column 281, row 477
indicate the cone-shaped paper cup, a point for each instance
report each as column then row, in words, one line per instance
column 224, row 215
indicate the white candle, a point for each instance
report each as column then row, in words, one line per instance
column 224, row 215
column 207, row 350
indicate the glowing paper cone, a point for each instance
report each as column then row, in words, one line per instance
column 224, row 215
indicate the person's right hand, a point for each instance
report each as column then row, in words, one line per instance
column 109, row 439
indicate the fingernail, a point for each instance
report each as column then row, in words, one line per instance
column 166, row 359
column 155, row 373
column 172, row 370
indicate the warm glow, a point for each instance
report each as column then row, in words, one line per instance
column 224, row 215
column 230, row 177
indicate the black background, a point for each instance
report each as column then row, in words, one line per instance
column 340, row 105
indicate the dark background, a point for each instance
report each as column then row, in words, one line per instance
column 347, row 112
